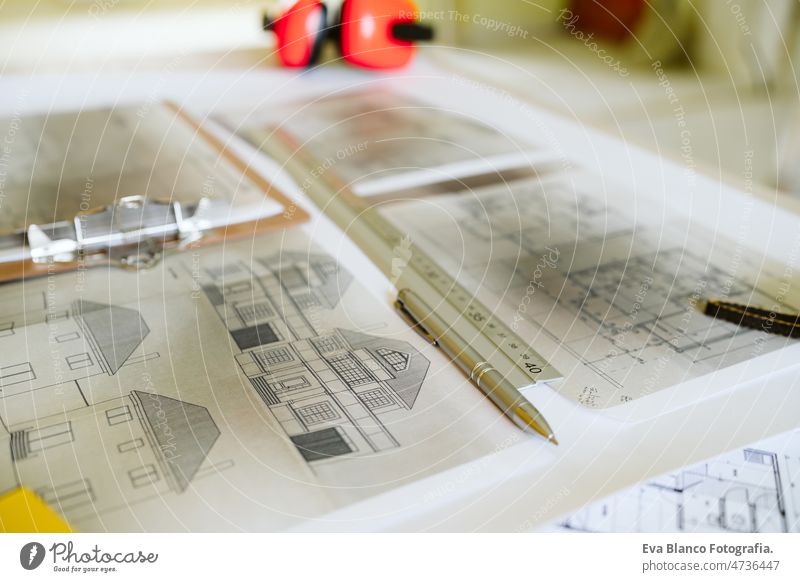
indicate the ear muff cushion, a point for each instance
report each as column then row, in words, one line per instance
column 300, row 32
column 366, row 32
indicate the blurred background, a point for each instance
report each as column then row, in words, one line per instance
column 726, row 69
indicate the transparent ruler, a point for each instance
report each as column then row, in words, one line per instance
column 410, row 267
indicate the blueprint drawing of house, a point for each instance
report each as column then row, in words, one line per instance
column 67, row 358
column 333, row 391
column 64, row 405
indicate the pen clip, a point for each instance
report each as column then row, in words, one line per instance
column 412, row 319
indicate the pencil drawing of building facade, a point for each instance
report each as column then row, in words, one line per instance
column 63, row 359
column 66, row 401
column 333, row 391
column 150, row 445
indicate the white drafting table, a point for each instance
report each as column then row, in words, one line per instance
column 530, row 482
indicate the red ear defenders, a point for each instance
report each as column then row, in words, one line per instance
column 376, row 34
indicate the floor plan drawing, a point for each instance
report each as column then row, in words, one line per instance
column 643, row 306
column 511, row 230
column 617, row 299
column 48, row 363
column 753, row 489
column 331, row 389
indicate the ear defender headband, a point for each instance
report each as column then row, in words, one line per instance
column 300, row 32
column 374, row 34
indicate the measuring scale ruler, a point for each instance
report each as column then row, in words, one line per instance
column 410, row 267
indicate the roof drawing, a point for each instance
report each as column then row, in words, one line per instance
column 407, row 382
column 333, row 280
column 116, row 331
column 186, row 429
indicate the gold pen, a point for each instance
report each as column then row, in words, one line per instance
column 500, row 391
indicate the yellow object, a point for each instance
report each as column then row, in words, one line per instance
column 22, row 510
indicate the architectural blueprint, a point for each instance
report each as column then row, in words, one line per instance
column 61, row 407
column 613, row 299
column 371, row 135
column 247, row 386
column 328, row 388
column 754, row 489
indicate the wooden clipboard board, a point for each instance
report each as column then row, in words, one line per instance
column 290, row 215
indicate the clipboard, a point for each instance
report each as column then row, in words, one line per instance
column 135, row 231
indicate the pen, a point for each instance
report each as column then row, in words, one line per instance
column 767, row 320
column 488, row 380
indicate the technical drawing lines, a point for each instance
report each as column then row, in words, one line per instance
column 740, row 491
column 329, row 389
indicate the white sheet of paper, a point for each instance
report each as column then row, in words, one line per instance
column 376, row 140
column 247, row 386
column 613, row 296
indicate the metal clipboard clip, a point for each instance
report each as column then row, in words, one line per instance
column 133, row 233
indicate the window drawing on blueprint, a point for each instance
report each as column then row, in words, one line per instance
column 329, row 389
